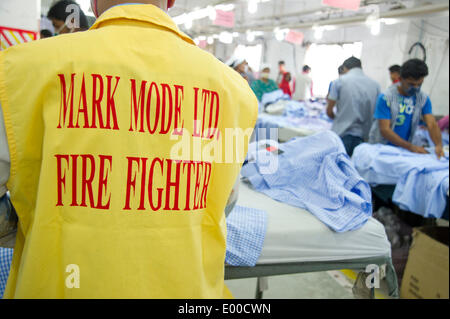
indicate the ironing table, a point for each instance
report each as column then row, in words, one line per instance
column 297, row 242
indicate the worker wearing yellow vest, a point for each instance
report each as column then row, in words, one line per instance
column 109, row 134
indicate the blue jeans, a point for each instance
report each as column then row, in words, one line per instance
column 350, row 143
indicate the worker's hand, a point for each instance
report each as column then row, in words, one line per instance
column 439, row 151
column 418, row 149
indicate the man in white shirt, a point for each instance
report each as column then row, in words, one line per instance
column 304, row 85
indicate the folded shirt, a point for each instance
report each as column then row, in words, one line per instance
column 246, row 230
column 313, row 173
column 421, row 180
column 5, row 265
column 381, row 164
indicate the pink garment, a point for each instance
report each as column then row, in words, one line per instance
column 443, row 123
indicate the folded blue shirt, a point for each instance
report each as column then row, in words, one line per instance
column 382, row 164
column 423, row 191
column 6, row 255
column 316, row 174
column 246, row 230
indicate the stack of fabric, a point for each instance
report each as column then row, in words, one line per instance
column 422, row 180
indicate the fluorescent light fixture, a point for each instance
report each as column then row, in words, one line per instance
column 226, row 37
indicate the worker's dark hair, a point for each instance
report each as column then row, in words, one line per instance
column 306, row 68
column 414, row 68
column 341, row 69
column 46, row 34
column 395, row 68
column 281, row 62
column 352, row 63
column 58, row 11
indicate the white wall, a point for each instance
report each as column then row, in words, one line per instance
column 20, row 14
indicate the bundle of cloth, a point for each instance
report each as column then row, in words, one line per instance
column 313, row 173
column 273, row 97
column 423, row 138
column 422, row 180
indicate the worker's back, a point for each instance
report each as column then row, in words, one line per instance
column 144, row 217
column 356, row 104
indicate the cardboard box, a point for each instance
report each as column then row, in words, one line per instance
column 427, row 273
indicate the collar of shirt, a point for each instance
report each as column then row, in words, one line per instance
column 355, row 71
column 141, row 12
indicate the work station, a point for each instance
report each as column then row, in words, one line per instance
column 248, row 149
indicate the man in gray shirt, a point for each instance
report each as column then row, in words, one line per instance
column 355, row 96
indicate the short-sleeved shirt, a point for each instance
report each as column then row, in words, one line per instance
column 259, row 88
column 404, row 119
column 355, row 95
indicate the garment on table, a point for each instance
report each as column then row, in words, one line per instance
column 355, row 95
column 443, row 123
column 381, row 164
column 73, row 112
column 6, row 255
column 246, row 230
column 314, row 173
column 403, row 123
column 423, row 138
column 273, row 97
column 260, row 87
column 423, row 191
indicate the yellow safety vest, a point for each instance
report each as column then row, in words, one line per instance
column 111, row 133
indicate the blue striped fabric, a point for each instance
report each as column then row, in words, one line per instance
column 246, row 229
column 5, row 264
column 316, row 174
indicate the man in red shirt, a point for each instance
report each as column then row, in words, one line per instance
column 285, row 84
column 395, row 73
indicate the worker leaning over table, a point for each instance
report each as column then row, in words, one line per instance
column 399, row 110
column 91, row 120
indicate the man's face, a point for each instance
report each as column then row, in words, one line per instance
column 241, row 68
column 395, row 76
column 60, row 26
column 411, row 85
column 282, row 67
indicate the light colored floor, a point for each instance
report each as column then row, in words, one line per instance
column 318, row 285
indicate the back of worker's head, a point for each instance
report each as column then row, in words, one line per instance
column 414, row 69
column 306, row 69
column 67, row 16
column 100, row 6
column 352, row 63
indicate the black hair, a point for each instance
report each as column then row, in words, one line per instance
column 281, row 62
column 46, row 34
column 414, row 68
column 352, row 63
column 395, row 68
column 341, row 69
column 58, row 11
column 306, row 68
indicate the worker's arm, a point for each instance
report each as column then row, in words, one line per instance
column 330, row 109
column 387, row 132
column 435, row 134
column 333, row 96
